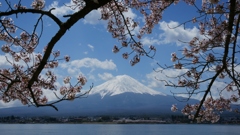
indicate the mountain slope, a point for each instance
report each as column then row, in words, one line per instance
column 122, row 84
column 125, row 104
column 122, row 95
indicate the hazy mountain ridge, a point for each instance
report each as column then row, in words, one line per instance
column 122, row 95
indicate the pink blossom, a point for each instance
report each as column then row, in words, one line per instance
column 6, row 48
column 125, row 55
column 66, row 80
column 174, row 108
column 115, row 49
column 67, row 58
column 38, row 4
column 82, row 80
column 178, row 66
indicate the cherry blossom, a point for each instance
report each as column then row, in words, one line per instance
column 174, row 108
column 174, row 57
column 206, row 59
column 82, row 80
column 125, row 55
column 38, row 4
column 67, row 58
column 66, row 80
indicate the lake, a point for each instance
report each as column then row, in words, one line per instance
column 118, row 129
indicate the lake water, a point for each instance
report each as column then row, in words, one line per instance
column 118, row 129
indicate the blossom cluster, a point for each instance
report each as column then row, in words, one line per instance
column 38, row 4
column 124, row 28
column 70, row 91
column 211, row 59
column 23, row 62
column 209, row 111
column 208, row 58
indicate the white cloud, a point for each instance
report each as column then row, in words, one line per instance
column 3, row 62
column 91, row 77
column 7, row 60
column 93, row 63
column 167, row 74
column 173, row 35
column 60, row 10
column 94, row 17
column 237, row 68
column 10, row 104
column 91, row 47
column 130, row 14
column 150, row 41
column 73, row 71
column 105, row 76
column 74, row 66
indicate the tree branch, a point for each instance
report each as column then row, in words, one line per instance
column 33, row 11
column 63, row 28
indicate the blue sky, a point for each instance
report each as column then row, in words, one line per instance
column 90, row 45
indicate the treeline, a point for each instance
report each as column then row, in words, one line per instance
column 113, row 119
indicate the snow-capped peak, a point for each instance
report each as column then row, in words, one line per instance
column 122, row 84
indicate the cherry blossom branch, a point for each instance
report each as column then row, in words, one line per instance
column 233, row 53
column 64, row 98
column 203, row 61
column 206, row 93
column 63, row 28
column 33, row 11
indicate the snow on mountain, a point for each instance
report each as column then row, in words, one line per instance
column 122, row 84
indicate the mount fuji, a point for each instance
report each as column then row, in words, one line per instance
column 122, row 84
column 121, row 95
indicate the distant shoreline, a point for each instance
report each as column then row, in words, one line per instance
column 131, row 123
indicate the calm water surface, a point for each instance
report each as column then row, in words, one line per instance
column 118, row 129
